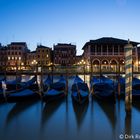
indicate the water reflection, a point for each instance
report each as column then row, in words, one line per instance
column 41, row 121
column 80, row 111
column 48, row 110
column 110, row 111
column 136, row 104
column 17, row 109
column 128, row 131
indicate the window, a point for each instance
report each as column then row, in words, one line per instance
column 104, row 48
column 121, row 49
column 110, row 48
column 98, row 48
column 115, row 48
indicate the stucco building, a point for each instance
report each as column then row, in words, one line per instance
column 64, row 54
column 16, row 54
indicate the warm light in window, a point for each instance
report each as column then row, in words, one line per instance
column 15, row 58
column 139, row 62
column 19, row 58
column 8, row 58
column 47, row 55
column 12, row 58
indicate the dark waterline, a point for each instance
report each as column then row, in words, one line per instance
column 66, row 121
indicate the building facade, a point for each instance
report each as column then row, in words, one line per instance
column 43, row 55
column 16, row 55
column 31, row 58
column 64, row 54
column 3, row 56
column 107, row 54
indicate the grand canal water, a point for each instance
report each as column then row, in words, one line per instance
column 65, row 121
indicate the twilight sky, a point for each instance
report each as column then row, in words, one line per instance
column 68, row 21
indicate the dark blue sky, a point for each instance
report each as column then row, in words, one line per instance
column 75, row 21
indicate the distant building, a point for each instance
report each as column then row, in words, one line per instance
column 3, row 56
column 64, row 54
column 31, row 58
column 16, row 54
column 108, row 53
column 43, row 55
column 78, row 59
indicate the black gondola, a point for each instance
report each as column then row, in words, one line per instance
column 56, row 90
column 80, row 91
column 103, row 89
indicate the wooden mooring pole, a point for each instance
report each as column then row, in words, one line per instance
column 128, row 77
column 119, row 86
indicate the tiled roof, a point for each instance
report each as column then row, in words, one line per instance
column 64, row 45
column 41, row 46
column 18, row 43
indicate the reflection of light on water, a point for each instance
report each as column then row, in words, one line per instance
column 138, row 76
column 87, row 79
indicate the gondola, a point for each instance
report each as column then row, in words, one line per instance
column 13, row 84
column 80, row 91
column 56, row 90
column 47, row 83
column 135, row 88
column 23, row 95
column 30, row 84
column 22, row 88
column 103, row 90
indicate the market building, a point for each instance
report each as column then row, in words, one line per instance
column 107, row 54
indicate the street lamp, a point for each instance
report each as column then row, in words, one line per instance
column 34, row 63
column 83, row 63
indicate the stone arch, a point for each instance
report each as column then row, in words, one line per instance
column 96, row 62
column 113, row 62
column 105, row 62
column 122, row 61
